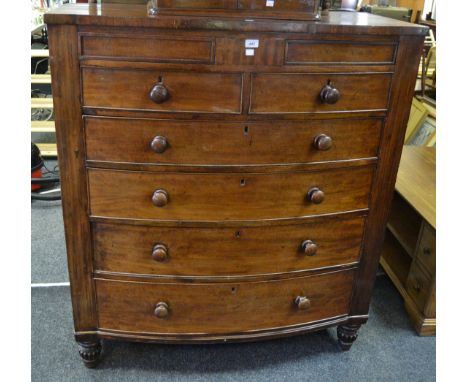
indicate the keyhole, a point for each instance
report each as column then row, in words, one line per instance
column 160, row 79
column 237, row 234
column 246, row 130
column 233, row 290
column 242, row 182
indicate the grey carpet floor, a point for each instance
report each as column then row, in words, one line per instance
column 387, row 348
column 48, row 255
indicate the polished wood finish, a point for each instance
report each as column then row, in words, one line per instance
column 417, row 179
column 159, row 48
column 304, row 93
column 73, row 182
column 409, row 257
column 347, row 334
column 159, row 144
column 159, row 93
column 227, row 171
column 339, row 52
column 389, row 158
column 323, row 142
column 160, row 198
column 160, row 253
column 208, row 197
column 196, row 251
column 122, row 15
column 426, row 251
column 161, row 310
column 229, row 307
column 191, row 142
column 189, row 92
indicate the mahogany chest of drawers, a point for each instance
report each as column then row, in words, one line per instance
column 223, row 178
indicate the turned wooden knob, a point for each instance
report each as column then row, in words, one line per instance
column 315, row 195
column 159, row 93
column 302, row 302
column 160, row 198
column 159, row 144
column 309, row 247
column 329, row 94
column 159, row 252
column 323, row 142
column 161, row 310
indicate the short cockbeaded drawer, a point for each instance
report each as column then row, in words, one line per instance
column 236, row 143
column 215, row 197
column 233, row 251
column 287, row 93
column 230, row 307
column 167, row 91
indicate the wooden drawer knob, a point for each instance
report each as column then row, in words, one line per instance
column 160, row 198
column 309, row 247
column 329, row 94
column 302, row 302
column 160, row 252
column 323, row 142
column 161, row 310
column 159, row 93
column 315, row 195
column 427, row 251
column 417, row 286
column 159, row 144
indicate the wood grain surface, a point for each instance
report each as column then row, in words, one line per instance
column 188, row 92
column 221, row 308
column 228, row 143
column 300, row 93
column 227, row 251
column 416, row 180
column 215, row 197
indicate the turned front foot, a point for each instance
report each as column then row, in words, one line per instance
column 347, row 334
column 90, row 351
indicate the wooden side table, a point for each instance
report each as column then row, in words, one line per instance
column 409, row 254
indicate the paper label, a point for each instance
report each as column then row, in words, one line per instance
column 250, row 52
column 251, row 43
column 270, row 3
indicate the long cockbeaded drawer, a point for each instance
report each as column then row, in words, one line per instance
column 221, row 308
column 227, row 251
column 230, row 143
column 216, row 196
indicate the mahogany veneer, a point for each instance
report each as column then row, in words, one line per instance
column 213, row 193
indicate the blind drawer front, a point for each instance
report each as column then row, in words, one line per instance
column 305, row 52
column 136, row 47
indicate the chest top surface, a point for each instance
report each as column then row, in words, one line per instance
column 136, row 15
